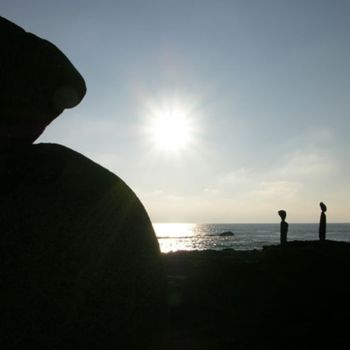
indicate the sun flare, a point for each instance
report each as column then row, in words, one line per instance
column 171, row 129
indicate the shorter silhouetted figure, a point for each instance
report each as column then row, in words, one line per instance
column 323, row 222
column 284, row 227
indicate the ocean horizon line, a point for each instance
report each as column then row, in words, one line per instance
column 247, row 223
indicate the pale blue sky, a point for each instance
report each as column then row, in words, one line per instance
column 266, row 84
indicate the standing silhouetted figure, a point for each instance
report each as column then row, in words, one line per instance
column 323, row 222
column 284, row 227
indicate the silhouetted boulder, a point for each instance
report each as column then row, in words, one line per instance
column 37, row 82
column 80, row 263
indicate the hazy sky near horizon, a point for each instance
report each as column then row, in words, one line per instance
column 263, row 85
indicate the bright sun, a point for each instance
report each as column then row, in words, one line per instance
column 170, row 129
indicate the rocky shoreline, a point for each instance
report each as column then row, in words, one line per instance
column 295, row 297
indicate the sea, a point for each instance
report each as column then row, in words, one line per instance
column 189, row 236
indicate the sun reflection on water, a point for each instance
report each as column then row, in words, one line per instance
column 181, row 232
column 188, row 236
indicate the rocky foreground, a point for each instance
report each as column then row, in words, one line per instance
column 296, row 297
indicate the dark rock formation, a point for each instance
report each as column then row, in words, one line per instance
column 226, row 234
column 80, row 263
column 291, row 298
column 37, row 82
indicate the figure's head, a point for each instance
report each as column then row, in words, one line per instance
column 282, row 214
column 323, row 207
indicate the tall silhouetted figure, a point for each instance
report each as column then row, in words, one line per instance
column 323, row 222
column 284, row 227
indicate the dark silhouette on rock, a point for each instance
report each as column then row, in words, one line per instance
column 283, row 227
column 37, row 83
column 80, row 263
column 323, row 222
